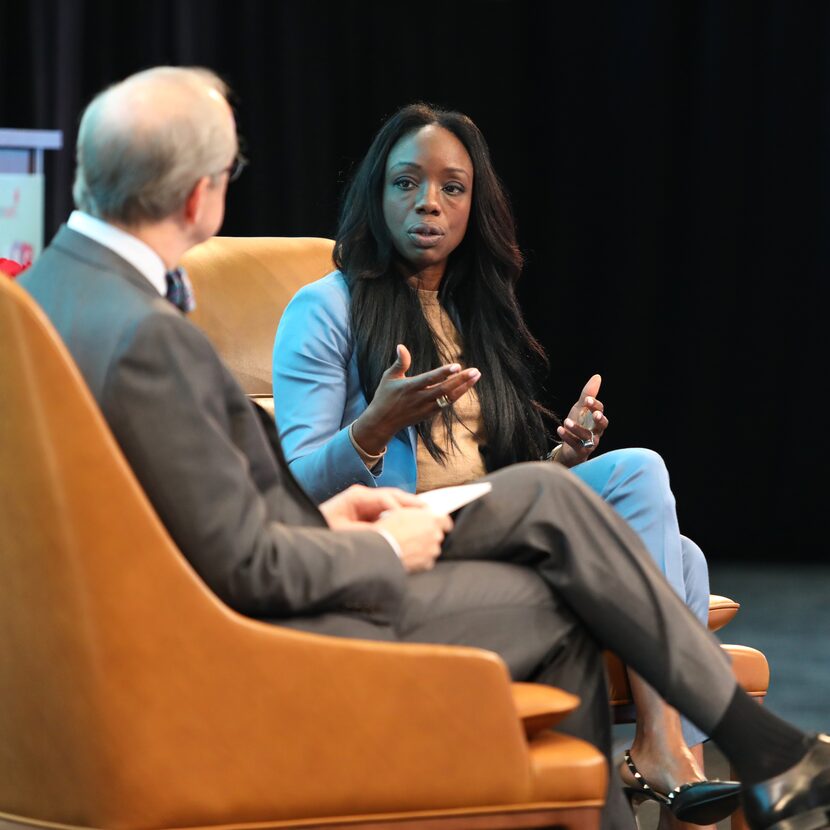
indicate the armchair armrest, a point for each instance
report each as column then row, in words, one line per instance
column 541, row 707
column 721, row 611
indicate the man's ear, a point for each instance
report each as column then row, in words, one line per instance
column 194, row 204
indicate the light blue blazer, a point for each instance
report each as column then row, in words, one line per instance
column 317, row 395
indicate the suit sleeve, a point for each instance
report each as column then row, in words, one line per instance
column 312, row 350
column 198, row 450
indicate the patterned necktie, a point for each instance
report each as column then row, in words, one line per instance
column 179, row 290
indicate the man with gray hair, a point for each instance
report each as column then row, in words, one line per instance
column 155, row 155
column 526, row 569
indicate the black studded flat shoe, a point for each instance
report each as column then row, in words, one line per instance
column 700, row 802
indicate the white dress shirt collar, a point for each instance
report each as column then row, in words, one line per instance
column 140, row 255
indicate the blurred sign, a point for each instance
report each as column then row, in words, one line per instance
column 21, row 216
column 21, row 191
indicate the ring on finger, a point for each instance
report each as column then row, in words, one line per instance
column 443, row 402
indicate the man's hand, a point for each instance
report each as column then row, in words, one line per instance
column 361, row 505
column 418, row 531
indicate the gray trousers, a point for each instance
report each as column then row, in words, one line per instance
column 543, row 572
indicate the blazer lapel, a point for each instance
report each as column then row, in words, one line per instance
column 412, row 435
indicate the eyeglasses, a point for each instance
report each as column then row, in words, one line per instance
column 237, row 166
column 234, row 170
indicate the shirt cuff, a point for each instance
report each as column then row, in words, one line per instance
column 393, row 542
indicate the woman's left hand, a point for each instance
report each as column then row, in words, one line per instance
column 575, row 436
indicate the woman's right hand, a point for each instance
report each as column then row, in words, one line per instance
column 402, row 401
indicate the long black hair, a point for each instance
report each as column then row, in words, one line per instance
column 478, row 289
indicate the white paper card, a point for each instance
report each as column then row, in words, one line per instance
column 445, row 500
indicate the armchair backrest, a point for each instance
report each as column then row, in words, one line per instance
column 242, row 285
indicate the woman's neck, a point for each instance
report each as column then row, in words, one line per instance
column 426, row 279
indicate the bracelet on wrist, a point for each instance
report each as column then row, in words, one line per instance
column 366, row 456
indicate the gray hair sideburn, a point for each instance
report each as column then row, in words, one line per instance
column 132, row 172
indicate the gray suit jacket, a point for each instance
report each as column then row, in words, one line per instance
column 199, row 450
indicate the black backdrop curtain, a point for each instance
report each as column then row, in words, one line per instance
column 667, row 162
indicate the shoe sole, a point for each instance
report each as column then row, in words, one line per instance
column 707, row 812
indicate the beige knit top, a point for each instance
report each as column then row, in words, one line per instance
column 463, row 462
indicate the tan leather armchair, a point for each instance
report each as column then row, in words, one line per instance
column 131, row 698
column 242, row 286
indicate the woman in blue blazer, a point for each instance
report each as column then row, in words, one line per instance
column 358, row 398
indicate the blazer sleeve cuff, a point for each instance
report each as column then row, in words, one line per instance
column 334, row 467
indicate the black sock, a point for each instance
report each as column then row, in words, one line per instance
column 758, row 743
